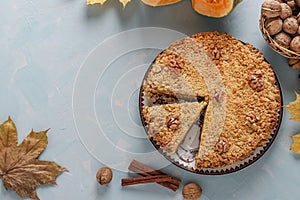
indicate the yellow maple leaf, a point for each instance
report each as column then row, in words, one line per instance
column 91, row 2
column 294, row 108
column 296, row 143
column 124, row 2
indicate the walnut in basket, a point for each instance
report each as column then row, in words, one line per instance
column 280, row 29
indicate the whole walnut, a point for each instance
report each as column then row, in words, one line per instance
column 298, row 18
column 286, row 11
column 290, row 25
column 293, row 61
column 274, row 25
column 271, row 8
column 296, row 66
column 283, row 39
column 295, row 44
column 292, row 4
column 297, row 2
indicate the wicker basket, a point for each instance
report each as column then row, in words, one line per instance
column 274, row 45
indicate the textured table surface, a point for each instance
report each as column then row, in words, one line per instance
column 72, row 68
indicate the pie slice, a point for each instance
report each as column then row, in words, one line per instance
column 169, row 123
column 172, row 75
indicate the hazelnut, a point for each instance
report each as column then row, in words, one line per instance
column 290, row 25
column 292, row 5
column 274, row 25
column 104, row 175
column 191, row 191
column 271, row 8
column 283, row 39
column 286, row 11
column 295, row 44
column 298, row 31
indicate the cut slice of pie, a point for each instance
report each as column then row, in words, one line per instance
column 172, row 75
column 169, row 123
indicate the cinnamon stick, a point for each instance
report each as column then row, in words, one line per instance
column 145, row 170
column 145, row 179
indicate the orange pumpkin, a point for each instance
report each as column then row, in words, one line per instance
column 214, row 8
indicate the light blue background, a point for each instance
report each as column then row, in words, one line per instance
column 43, row 45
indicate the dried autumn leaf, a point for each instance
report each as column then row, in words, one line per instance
column 296, row 143
column 294, row 108
column 20, row 169
column 91, row 2
column 124, row 2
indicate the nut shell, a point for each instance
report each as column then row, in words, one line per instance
column 286, row 11
column 274, row 25
column 295, row 44
column 104, row 175
column 293, row 61
column 298, row 18
column 283, row 39
column 191, row 191
column 292, row 4
column 271, row 8
column 297, row 2
column 290, row 25
column 296, row 66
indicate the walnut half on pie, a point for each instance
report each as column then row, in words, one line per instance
column 229, row 81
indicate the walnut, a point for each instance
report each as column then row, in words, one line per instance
column 293, row 61
column 217, row 95
column 297, row 2
column 298, row 18
column 252, row 119
column 255, row 80
column 296, row 65
column 104, row 175
column 222, row 145
column 290, row 25
column 283, row 39
column 295, row 44
column 175, row 63
column 172, row 121
column 214, row 51
column 292, row 5
column 191, row 191
column 274, row 25
column 286, row 11
column 271, row 8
